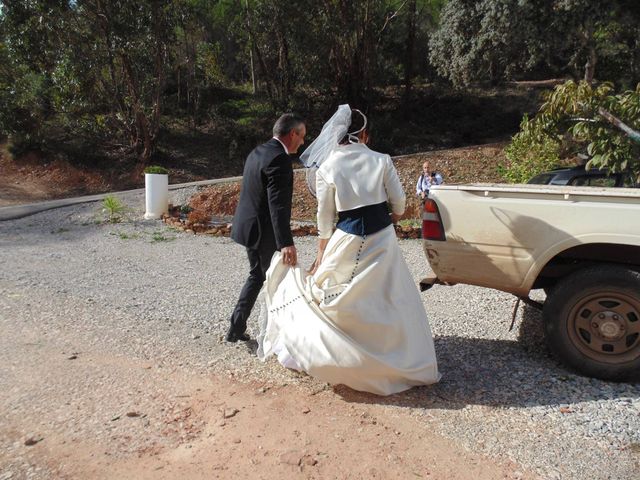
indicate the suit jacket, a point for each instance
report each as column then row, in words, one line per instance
column 264, row 209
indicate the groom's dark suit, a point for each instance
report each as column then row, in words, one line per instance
column 262, row 221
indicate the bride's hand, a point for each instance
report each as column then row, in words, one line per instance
column 313, row 267
column 322, row 244
column 316, row 263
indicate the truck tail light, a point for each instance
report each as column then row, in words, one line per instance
column 432, row 228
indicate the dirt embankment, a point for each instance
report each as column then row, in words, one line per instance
column 30, row 180
column 460, row 165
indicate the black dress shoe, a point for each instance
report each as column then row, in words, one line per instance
column 234, row 337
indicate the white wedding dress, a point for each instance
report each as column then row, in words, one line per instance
column 358, row 320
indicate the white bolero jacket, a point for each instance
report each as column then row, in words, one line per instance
column 354, row 176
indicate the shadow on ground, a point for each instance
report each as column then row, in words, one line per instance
column 499, row 373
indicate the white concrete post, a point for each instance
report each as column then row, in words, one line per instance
column 156, row 194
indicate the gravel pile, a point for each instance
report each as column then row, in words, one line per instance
column 140, row 289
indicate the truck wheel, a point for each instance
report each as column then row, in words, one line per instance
column 592, row 322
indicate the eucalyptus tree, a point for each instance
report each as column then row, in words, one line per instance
column 491, row 39
column 401, row 56
column 602, row 32
column 306, row 47
column 207, row 52
column 30, row 39
column 500, row 39
column 129, row 43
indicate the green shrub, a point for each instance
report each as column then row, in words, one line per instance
column 531, row 151
column 156, row 169
column 114, row 208
column 576, row 118
column 159, row 236
column 410, row 222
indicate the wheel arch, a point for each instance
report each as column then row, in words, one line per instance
column 574, row 254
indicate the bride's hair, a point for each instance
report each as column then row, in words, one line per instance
column 359, row 123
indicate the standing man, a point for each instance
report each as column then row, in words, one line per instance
column 426, row 181
column 263, row 215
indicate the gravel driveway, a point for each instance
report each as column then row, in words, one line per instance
column 142, row 289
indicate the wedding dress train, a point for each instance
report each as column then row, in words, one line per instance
column 358, row 321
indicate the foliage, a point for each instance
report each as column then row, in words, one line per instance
column 119, row 95
column 156, row 169
column 502, row 39
column 159, row 236
column 410, row 223
column 530, row 152
column 572, row 120
column 114, row 76
column 107, row 69
column 606, row 144
column 125, row 235
column 114, row 208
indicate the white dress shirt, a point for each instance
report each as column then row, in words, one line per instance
column 283, row 146
column 354, row 176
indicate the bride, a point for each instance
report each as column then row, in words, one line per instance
column 356, row 318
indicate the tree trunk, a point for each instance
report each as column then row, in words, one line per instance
column 160, row 62
column 116, row 90
column 590, row 66
column 410, row 51
column 352, row 50
column 251, row 66
column 261, row 63
column 284, row 65
column 615, row 121
column 143, row 143
column 588, row 42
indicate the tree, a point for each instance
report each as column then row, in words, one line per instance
column 499, row 39
column 270, row 37
column 412, row 35
column 598, row 31
column 30, row 38
column 483, row 40
column 102, row 61
column 596, row 122
column 131, row 41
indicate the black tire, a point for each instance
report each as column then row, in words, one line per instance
column 592, row 322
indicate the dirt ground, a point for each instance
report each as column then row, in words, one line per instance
column 185, row 425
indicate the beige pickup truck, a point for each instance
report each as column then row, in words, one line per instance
column 580, row 244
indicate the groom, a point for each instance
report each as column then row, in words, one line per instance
column 262, row 219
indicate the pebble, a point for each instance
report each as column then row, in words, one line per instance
column 230, row 412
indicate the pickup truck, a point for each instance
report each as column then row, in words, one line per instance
column 580, row 244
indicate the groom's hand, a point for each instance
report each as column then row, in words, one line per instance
column 289, row 255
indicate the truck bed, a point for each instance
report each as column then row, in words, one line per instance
column 501, row 236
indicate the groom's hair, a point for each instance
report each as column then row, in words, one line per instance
column 286, row 123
